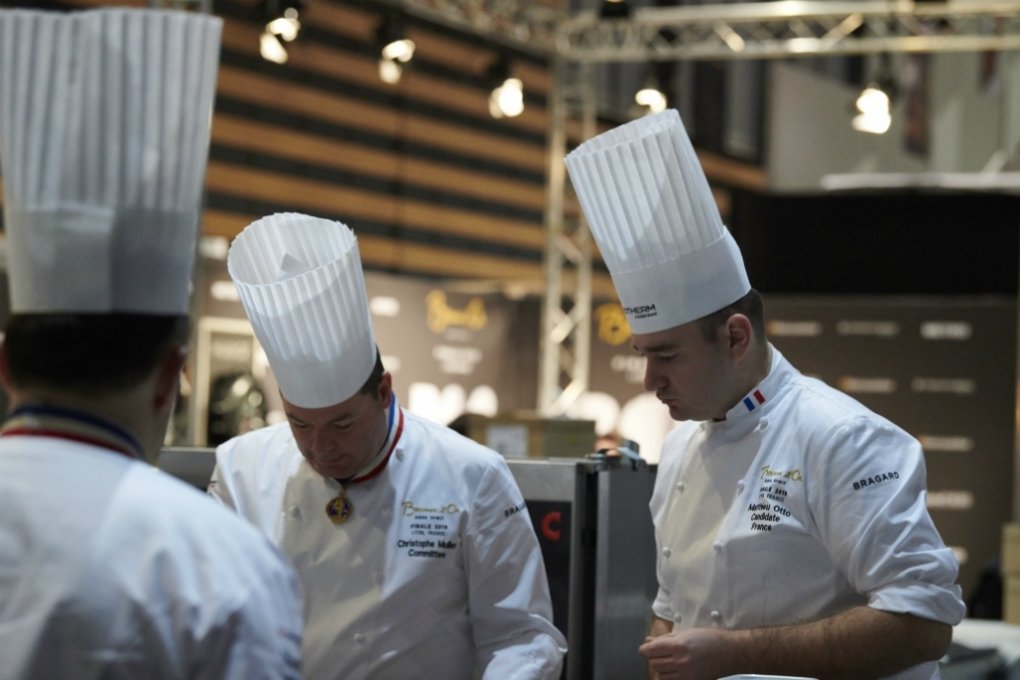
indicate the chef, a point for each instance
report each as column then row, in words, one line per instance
column 791, row 524
column 108, row 567
column 412, row 542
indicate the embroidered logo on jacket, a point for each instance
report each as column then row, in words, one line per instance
column 510, row 512
column 875, row 479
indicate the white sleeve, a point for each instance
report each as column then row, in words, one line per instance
column 508, row 591
column 219, row 486
column 871, row 514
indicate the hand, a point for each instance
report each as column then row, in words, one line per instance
column 695, row 654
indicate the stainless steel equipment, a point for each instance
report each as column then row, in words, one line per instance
column 593, row 523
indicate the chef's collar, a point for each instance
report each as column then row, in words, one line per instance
column 394, row 428
column 38, row 420
column 756, row 404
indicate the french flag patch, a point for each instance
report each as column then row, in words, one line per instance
column 754, row 400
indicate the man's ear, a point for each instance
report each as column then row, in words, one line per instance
column 385, row 389
column 739, row 334
column 168, row 375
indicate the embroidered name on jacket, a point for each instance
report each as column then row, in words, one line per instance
column 875, row 479
column 429, row 530
column 770, row 508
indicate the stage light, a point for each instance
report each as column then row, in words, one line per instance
column 873, row 108
column 507, row 98
column 282, row 26
column 395, row 49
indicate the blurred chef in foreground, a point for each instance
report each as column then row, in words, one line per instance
column 108, row 567
column 413, row 543
column 790, row 520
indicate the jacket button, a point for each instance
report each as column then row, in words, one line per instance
column 740, row 485
column 295, row 512
column 680, row 487
column 360, row 639
column 666, row 552
column 716, row 615
column 399, row 454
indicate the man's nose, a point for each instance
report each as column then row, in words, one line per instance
column 653, row 379
column 320, row 440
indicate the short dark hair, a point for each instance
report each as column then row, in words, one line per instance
column 371, row 386
column 88, row 354
column 751, row 305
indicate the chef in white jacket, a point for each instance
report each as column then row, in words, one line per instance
column 412, row 542
column 108, row 567
column 791, row 524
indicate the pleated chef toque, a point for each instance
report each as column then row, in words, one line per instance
column 104, row 134
column 301, row 284
column 656, row 223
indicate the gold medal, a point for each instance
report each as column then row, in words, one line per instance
column 339, row 509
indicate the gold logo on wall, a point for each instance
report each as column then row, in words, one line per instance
column 441, row 316
column 612, row 324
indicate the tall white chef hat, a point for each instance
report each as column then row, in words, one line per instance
column 104, row 134
column 301, row 284
column 656, row 223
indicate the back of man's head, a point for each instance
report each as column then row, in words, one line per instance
column 88, row 355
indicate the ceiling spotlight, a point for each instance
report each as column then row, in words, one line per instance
column 282, row 26
column 507, row 98
column 395, row 48
column 873, row 109
column 652, row 97
column 272, row 49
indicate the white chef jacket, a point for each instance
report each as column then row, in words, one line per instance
column 799, row 505
column 436, row 571
column 112, row 569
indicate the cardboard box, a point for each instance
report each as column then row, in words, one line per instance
column 1011, row 599
column 528, row 435
column 1010, row 560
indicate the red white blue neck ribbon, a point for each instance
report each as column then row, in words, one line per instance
column 65, row 423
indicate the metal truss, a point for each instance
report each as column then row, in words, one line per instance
column 791, row 28
column 565, row 346
column 761, row 30
column 526, row 25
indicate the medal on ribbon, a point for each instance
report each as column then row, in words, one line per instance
column 339, row 509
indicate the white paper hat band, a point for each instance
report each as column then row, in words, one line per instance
column 672, row 293
column 325, row 382
column 100, row 260
column 301, row 284
column 104, row 133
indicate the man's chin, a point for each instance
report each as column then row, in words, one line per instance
column 331, row 471
column 678, row 414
